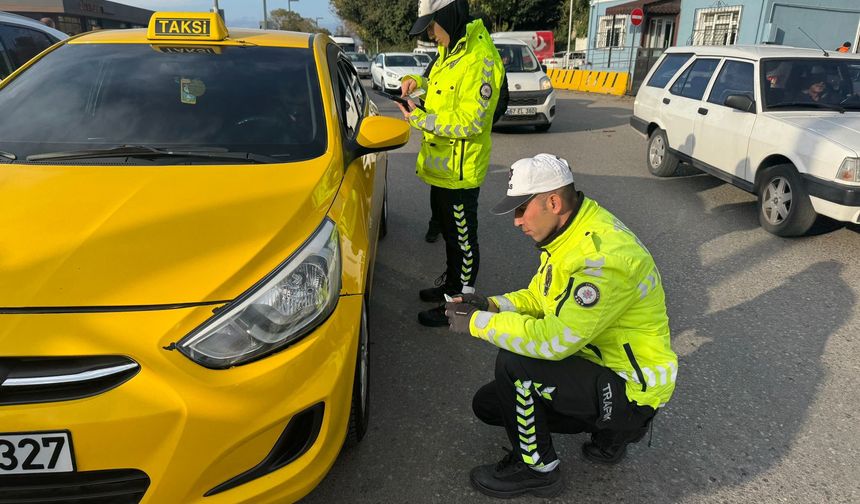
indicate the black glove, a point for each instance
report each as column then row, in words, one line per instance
column 459, row 315
column 479, row 302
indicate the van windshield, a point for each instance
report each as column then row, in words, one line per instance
column 517, row 58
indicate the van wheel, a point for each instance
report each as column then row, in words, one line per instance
column 359, row 413
column 661, row 162
column 784, row 208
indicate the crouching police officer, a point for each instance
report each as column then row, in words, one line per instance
column 585, row 348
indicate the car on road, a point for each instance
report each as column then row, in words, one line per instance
column 565, row 59
column 191, row 217
column 387, row 69
column 423, row 58
column 780, row 122
column 531, row 95
column 361, row 63
column 21, row 38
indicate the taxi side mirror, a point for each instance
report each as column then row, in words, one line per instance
column 381, row 133
column 740, row 102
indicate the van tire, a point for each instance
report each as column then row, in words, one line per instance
column 660, row 160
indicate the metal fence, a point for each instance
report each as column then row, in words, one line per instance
column 713, row 36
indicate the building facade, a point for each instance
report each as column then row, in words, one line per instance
column 615, row 44
column 76, row 16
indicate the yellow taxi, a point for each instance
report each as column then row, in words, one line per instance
column 189, row 223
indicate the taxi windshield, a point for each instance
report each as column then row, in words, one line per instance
column 257, row 100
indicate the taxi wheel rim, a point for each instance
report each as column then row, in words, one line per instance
column 657, row 151
column 363, row 361
column 776, row 201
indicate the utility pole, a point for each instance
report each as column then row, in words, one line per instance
column 317, row 21
column 265, row 16
column 569, row 28
column 289, row 6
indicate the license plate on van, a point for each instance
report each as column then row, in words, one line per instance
column 520, row 111
column 36, row 452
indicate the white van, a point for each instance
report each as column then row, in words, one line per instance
column 532, row 97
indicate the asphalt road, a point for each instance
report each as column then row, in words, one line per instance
column 766, row 329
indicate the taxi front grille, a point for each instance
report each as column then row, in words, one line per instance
column 120, row 486
column 524, row 98
column 27, row 380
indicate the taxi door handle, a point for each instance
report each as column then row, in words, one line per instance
column 703, row 111
column 666, row 101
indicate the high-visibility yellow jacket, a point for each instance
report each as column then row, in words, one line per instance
column 461, row 95
column 597, row 295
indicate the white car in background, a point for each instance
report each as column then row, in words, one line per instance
column 423, row 58
column 565, row 59
column 780, row 122
column 361, row 63
column 532, row 97
column 387, row 69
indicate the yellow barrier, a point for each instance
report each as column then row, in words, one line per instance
column 590, row 81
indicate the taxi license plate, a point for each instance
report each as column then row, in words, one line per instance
column 36, row 452
column 518, row 111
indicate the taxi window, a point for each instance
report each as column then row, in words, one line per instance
column 259, row 100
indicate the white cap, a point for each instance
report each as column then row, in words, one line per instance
column 426, row 10
column 532, row 176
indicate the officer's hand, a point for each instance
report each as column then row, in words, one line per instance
column 479, row 302
column 459, row 315
column 404, row 111
column 407, row 86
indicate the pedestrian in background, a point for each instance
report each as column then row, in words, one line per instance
column 585, row 348
column 48, row 22
column 460, row 100
column 846, row 47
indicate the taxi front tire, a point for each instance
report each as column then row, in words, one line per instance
column 359, row 412
column 660, row 160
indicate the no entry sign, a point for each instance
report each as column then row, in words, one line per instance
column 636, row 16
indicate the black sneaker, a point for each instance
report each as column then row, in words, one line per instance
column 432, row 232
column 511, row 477
column 434, row 317
column 437, row 294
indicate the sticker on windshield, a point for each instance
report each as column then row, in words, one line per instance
column 190, row 90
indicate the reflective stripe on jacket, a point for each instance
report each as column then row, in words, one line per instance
column 461, row 95
column 597, row 295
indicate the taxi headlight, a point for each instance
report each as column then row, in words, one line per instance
column 545, row 83
column 849, row 171
column 286, row 305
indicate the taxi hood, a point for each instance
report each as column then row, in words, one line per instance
column 843, row 129
column 83, row 236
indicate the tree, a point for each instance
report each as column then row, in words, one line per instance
column 283, row 19
column 514, row 15
column 581, row 11
column 386, row 21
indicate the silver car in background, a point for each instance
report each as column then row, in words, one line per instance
column 361, row 63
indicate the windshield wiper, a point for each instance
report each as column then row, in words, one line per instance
column 808, row 104
column 149, row 151
column 8, row 155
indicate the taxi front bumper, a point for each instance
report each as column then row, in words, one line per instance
column 191, row 429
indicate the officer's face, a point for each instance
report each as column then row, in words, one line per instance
column 536, row 218
column 438, row 34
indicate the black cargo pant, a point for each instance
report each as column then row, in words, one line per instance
column 532, row 398
column 457, row 213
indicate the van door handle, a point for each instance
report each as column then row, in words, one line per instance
column 666, row 101
column 703, row 111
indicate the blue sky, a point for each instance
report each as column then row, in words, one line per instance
column 246, row 13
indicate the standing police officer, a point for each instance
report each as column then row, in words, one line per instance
column 585, row 348
column 461, row 95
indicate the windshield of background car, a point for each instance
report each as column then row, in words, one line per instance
column 518, row 58
column 400, row 61
column 358, row 57
column 261, row 100
column 810, row 83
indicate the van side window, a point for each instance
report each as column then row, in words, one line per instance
column 23, row 43
column 671, row 63
column 694, row 80
column 736, row 78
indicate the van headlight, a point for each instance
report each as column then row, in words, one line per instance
column 284, row 306
column 849, row 171
column 545, row 83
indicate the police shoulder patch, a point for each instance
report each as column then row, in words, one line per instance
column 586, row 294
column 547, row 280
column 486, row 91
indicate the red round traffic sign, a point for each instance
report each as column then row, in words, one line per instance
column 636, row 16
